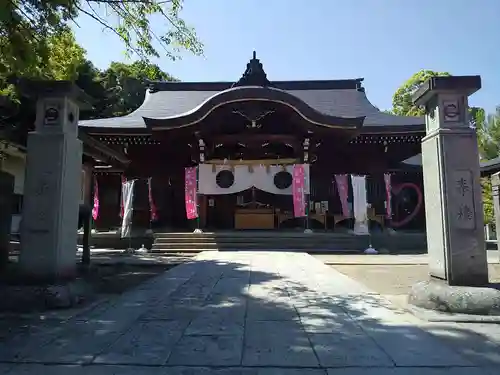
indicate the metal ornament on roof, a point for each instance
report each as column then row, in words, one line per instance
column 254, row 74
column 253, row 118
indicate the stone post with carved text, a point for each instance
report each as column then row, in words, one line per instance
column 453, row 204
column 52, row 186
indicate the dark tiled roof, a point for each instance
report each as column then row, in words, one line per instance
column 343, row 98
column 487, row 167
column 490, row 167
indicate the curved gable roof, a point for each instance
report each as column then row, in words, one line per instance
column 334, row 102
column 257, row 93
column 330, row 99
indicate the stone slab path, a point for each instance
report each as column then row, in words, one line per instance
column 245, row 313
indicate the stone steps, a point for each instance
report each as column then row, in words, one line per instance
column 339, row 243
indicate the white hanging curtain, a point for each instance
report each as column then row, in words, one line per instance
column 128, row 199
column 207, row 179
column 263, row 179
column 245, row 177
column 360, row 205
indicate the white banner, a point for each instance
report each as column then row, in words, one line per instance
column 128, row 209
column 360, row 205
column 245, row 177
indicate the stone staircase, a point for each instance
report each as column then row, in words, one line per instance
column 338, row 243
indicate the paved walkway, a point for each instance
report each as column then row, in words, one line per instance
column 247, row 314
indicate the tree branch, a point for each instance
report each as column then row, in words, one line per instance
column 96, row 18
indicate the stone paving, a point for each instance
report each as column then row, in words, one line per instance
column 239, row 313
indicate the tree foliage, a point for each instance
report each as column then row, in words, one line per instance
column 126, row 82
column 62, row 62
column 402, row 103
column 116, row 91
column 488, row 137
column 489, row 216
column 26, row 27
column 488, row 132
column 119, row 89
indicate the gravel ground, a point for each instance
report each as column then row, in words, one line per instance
column 396, row 279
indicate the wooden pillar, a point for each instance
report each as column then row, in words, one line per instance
column 203, row 211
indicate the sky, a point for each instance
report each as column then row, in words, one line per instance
column 383, row 41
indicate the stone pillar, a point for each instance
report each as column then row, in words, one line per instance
column 53, row 184
column 495, row 187
column 453, row 205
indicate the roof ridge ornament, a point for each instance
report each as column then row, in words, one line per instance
column 254, row 74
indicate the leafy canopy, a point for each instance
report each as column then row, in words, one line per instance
column 488, row 137
column 488, row 132
column 27, row 25
column 63, row 58
column 402, row 103
column 119, row 89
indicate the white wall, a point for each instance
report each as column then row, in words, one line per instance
column 15, row 165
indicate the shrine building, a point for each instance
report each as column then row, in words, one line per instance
column 244, row 137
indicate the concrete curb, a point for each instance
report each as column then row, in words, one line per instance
column 360, row 263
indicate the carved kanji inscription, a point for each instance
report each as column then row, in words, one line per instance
column 463, row 200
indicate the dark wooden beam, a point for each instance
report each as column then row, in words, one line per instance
column 234, row 138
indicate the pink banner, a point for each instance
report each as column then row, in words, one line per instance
column 388, row 201
column 95, row 209
column 190, row 193
column 298, row 191
column 152, row 206
column 342, row 181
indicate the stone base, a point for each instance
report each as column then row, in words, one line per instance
column 437, row 295
column 30, row 298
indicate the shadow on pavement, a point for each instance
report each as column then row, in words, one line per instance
column 246, row 313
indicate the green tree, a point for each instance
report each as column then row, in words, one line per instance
column 64, row 58
column 488, row 137
column 402, row 103
column 89, row 80
column 489, row 217
column 120, row 89
column 27, row 25
column 488, row 132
